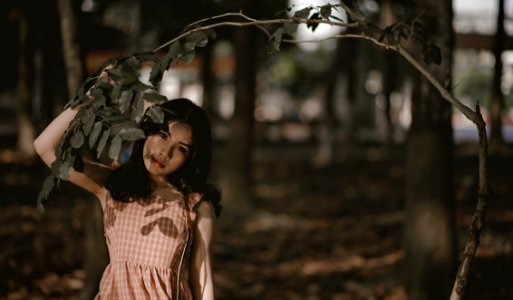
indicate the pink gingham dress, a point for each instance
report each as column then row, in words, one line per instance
column 149, row 243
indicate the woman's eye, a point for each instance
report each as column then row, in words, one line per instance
column 182, row 150
column 163, row 135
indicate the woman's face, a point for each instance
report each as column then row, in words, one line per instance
column 165, row 152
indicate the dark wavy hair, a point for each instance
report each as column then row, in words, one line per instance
column 131, row 180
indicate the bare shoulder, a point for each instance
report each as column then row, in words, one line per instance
column 205, row 209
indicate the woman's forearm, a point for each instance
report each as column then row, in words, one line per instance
column 201, row 266
column 48, row 141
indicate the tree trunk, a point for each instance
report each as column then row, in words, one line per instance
column 96, row 257
column 70, row 47
column 429, row 228
column 25, row 128
column 497, row 103
column 236, row 174
column 326, row 127
column 387, row 18
column 208, row 80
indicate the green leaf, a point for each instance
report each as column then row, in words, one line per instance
column 102, row 143
column 326, row 11
column 99, row 102
column 40, row 207
column 147, row 56
column 64, row 171
column 211, row 34
column 156, row 74
column 96, row 92
column 115, row 118
column 104, row 85
column 197, row 39
column 48, row 186
column 125, row 100
column 115, row 74
column 132, row 134
column 156, row 114
column 133, row 63
column 95, row 134
column 88, row 123
column 115, row 147
column 57, row 164
column 154, row 97
column 313, row 25
column 77, row 139
column 138, row 110
column 175, row 50
column 273, row 45
column 139, row 86
column 128, row 79
column 115, row 93
column 303, row 13
column 188, row 57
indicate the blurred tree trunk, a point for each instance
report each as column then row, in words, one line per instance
column 70, row 46
column 429, row 229
column 497, row 104
column 364, row 104
column 208, row 80
column 348, row 48
column 236, row 174
column 387, row 18
column 328, row 124
column 25, row 128
column 96, row 257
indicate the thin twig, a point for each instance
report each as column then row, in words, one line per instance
column 478, row 218
column 251, row 22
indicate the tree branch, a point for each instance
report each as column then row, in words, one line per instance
column 476, row 117
column 250, row 22
column 478, row 218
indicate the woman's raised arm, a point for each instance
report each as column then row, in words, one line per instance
column 48, row 141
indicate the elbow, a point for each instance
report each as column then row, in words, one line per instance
column 47, row 154
column 40, row 147
column 37, row 146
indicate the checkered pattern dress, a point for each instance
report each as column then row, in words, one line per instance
column 149, row 243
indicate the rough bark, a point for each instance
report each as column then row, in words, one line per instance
column 429, row 229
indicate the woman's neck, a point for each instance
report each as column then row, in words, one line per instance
column 164, row 189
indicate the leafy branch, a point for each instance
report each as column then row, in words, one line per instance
column 113, row 99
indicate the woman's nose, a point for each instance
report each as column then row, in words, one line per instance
column 168, row 150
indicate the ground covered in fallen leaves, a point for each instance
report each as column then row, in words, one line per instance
column 329, row 233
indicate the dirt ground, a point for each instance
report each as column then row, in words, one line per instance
column 331, row 233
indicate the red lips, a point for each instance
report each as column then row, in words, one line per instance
column 157, row 162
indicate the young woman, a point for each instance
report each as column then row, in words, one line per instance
column 158, row 209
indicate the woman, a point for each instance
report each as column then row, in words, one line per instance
column 158, row 209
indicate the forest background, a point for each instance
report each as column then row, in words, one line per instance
column 344, row 175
